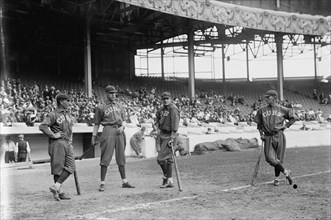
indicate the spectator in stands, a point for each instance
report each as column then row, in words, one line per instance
column 323, row 99
column 315, row 96
column 22, row 149
column 9, row 148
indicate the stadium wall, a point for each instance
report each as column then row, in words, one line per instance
column 319, row 135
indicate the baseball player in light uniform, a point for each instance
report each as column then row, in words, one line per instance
column 271, row 124
column 167, row 122
column 57, row 126
column 112, row 116
column 136, row 141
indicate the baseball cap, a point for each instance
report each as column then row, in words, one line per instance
column 110, row 89
column 272, row 93
column 62, row 96
column 166, row 95
column 21, row 136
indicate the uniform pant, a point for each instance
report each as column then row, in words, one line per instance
column 62, row 157
column 274, row 151
column 136, row 146
column 111, row 140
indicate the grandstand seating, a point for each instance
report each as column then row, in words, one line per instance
column 295, row 91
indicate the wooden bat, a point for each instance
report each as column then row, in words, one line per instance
column 86, row 152
column 257, row 164
column 77, row 183
column 179, row 181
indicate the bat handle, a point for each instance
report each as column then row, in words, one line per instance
column 179, row 181
column 77, row 183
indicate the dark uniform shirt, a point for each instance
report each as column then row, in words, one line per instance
column 270, row 119
column 59, row 120
column 167, row 118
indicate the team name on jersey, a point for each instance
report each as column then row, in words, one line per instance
column 111, row 109
column 165, row 113
column 60, row 119
column 273, row 112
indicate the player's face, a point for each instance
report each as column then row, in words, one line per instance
column 269, row 100
column 111, row 96
column 65, row 104
column 166, row 101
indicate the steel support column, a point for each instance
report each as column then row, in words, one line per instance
column 162, row 60
column 191, row 69
column 87, row 63
column 280, row 69
column 223, row 63
column 315, row 63
column 3, row 50
column 247, row 61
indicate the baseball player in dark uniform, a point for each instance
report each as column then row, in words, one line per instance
column 57, row 126
column 112, row 116
column 167, row 122
column 271, row 123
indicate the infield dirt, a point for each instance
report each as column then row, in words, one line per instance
column 215, row 186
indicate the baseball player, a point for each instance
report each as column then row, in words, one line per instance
column 167, row 122
column 271, row 124
column 57, row 126
column 112, row 116
column 135, row 141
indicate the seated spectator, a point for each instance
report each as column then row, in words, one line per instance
column 315, row 94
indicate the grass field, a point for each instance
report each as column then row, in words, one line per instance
column 215, row 186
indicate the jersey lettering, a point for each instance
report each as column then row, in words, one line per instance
column 60, row 119
column 109, row 110
column 273, row 112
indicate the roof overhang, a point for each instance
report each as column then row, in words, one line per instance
column 236, row 15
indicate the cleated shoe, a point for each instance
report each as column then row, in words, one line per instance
column 164, row 182
column 167, row 185
column 288, row 177
column 276, row 182
column 127, row 185
column 55, row 193
column 102, row 188
column 170, row 185
column 63, row 196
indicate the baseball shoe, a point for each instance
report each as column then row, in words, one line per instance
column 55, row 193
column 276, row 182
column 102, row 187
column 167, row 185
column 288, row 177
column 63, row 196
column 127, row 185
column 164, row 182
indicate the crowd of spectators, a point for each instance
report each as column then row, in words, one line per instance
column 29, row 104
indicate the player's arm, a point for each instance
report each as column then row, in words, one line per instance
column 44, row 127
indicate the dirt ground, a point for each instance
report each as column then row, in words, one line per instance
column 215, row 186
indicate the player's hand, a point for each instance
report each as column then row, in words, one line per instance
column 262, row 137
column 120, row 129
column 93, row 140
column 57, row 135
column 170, row 142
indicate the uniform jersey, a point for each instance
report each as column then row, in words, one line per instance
column 60, row 120
column 108, row 113
column 167, row 118
column 271, row 119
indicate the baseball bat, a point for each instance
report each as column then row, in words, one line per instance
column 86, row 152
column 257, row 165
column 77, row 183
column 179, row 181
